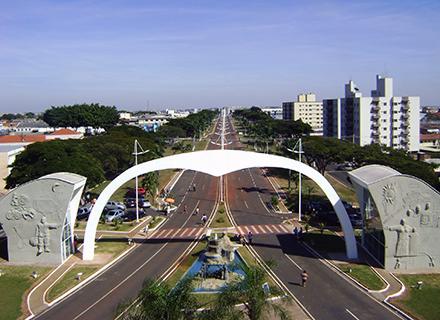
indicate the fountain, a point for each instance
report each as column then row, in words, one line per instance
column 217, row 265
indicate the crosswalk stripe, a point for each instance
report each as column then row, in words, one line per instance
column 168, row 233
column 160, row 233
column 198, row 232
column 253, row 229
column 284, row 228
column 175, row 234
column 184, row 232
column 192, row 231
column 276, row 228
column 261, row 228
column 270, row 230
column 240, row 230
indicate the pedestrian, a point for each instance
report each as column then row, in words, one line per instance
column 168, row 210
column 184, row 208
column 295, row 232
column 75, row 242
column 194, row 187
column 196, row 212
column 250, row 237
column 300, row 233
column 204, row 219
column 304, row 278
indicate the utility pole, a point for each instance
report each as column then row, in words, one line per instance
column 136, row 153
column 300, row 151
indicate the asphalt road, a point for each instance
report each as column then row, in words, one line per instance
column 327, row 295
column 100, row 297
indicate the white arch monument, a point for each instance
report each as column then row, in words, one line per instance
column 218, row 163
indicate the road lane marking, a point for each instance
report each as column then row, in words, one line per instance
column 291, row 260
column 160, row 233
column 351, row 314
column 168, row 233
column 270, row 230
column 192, row 231
column 283, row 227
column 122, row 282
column 184, row 232
column 253, row 229
column 245, row 203
column 276, row 228
column 261, row 228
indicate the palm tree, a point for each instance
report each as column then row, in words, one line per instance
column 162, row 302
column 250, row 293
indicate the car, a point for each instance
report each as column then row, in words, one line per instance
column 112, row 215
column 132, row 192
column 113, row 205
column 84, row 212
column 143, row 203
column 131, row 215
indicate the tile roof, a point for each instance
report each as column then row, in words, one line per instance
column 28, row 138
column 61, row 132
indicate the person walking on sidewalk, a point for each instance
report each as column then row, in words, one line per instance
column 204, row 219
column 196, row 212
column 250, row 237
column 304, row 278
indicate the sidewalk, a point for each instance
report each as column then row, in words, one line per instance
column 36, row 299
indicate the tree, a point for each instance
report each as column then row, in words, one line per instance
column 248, row 291
column 151, row 183
column 43, row 158
column 82, row 115
column 162, row 302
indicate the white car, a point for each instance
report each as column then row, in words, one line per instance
column 114, row 214
column 113, row 205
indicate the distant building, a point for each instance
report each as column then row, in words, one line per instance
column 124, row 115
column 274, row 112
column 307, row 109
column 64, row 134
column 382, row 118
column 151, row 123
column 28, row 126
column 21, row 140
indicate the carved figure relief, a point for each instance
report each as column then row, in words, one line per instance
column 42, row 235
column 21, row 208
column 389, row 194
column 407, row 240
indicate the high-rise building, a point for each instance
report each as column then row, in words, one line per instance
column 382, row 118
column 307, row 109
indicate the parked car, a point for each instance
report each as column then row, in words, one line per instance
column 131, row 215
column 111, row 215
column 143, row 203
column 132, row 192
column 113, row 205
column 84, row 212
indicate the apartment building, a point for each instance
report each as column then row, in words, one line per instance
column 307, row 109
column 382, row 118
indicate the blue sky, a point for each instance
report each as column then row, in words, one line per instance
column 212, row 53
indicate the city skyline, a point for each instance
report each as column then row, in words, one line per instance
column 223, row 54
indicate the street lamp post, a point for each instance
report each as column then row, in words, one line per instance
column 136, row 154
column 299, row 146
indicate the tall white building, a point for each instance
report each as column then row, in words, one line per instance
column 307, row 109
column 382, row 118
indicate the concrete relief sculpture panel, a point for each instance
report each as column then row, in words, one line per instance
column 410, row 213
column 33, row 216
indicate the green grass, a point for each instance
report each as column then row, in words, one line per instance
column 125, row 226
column 421, row 303
column 328, row 241
column 364, row 275
column 14, row 283
column 155, row 221
column 111, row 245
column 186, row 263
column 220, row 220
column 68, row 281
